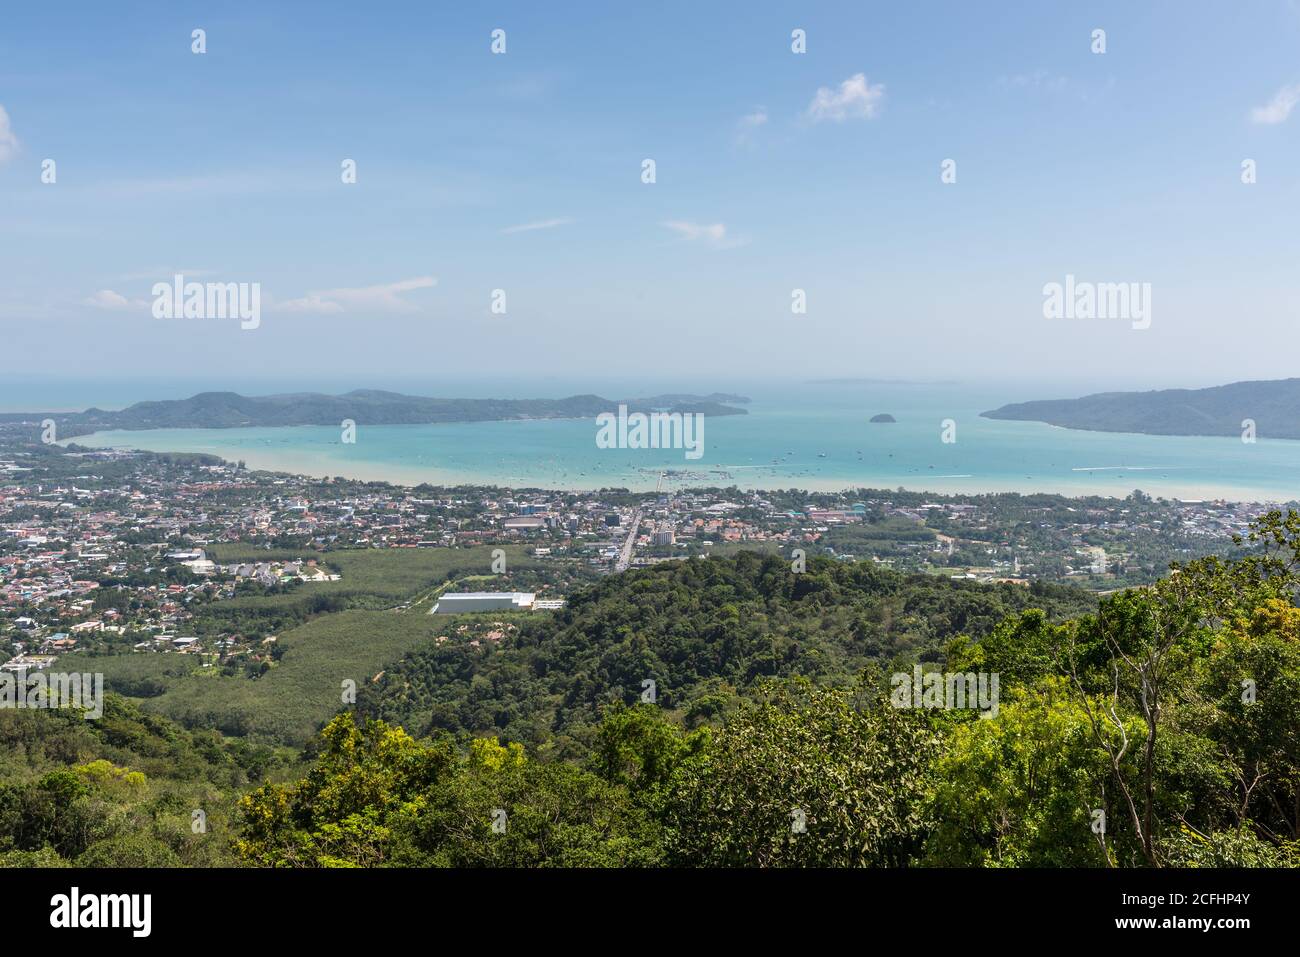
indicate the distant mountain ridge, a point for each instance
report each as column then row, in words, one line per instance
column 1273, row 405
column 229, row 410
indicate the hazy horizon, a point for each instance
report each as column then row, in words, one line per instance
column 54, row 394
column 523, row 172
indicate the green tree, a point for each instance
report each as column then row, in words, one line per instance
column 809, row 777
column 1020, row 789
column 378, row 797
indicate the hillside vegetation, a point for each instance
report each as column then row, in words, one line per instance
column 1161, row 730
column 1156, row 727
column 1274, row 407
column 127, row 790
column 704, row 632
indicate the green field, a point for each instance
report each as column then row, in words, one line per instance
column 379, row 576
column 385, row 596
column 727, row 549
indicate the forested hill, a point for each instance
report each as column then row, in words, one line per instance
column 224, row 410
column 704, row 631
column 1274, row 407
column 127, row 790
column 1169, row 712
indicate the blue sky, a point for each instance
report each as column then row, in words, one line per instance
column 1117, row 167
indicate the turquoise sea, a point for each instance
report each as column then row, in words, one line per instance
column 813, row 436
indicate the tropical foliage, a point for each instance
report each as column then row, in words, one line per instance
column 1160, row 727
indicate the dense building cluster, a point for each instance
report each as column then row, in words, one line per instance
column 97, row 545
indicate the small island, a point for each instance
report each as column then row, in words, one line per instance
column 883, row 417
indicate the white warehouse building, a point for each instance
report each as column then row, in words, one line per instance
column 454, row 603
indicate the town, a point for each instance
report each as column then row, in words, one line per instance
column 129, row 552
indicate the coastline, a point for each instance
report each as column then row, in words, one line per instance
column 1108, row 480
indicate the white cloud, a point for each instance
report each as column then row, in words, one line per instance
column 855, row 99
column 748, row 124
column 314, row 303
column 530, row 227
column 1038, row 80
column 382, row 298
column 160, row 274
column 108, row 299
column 713, row 234
column 8, row 141
column 1278, row 108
